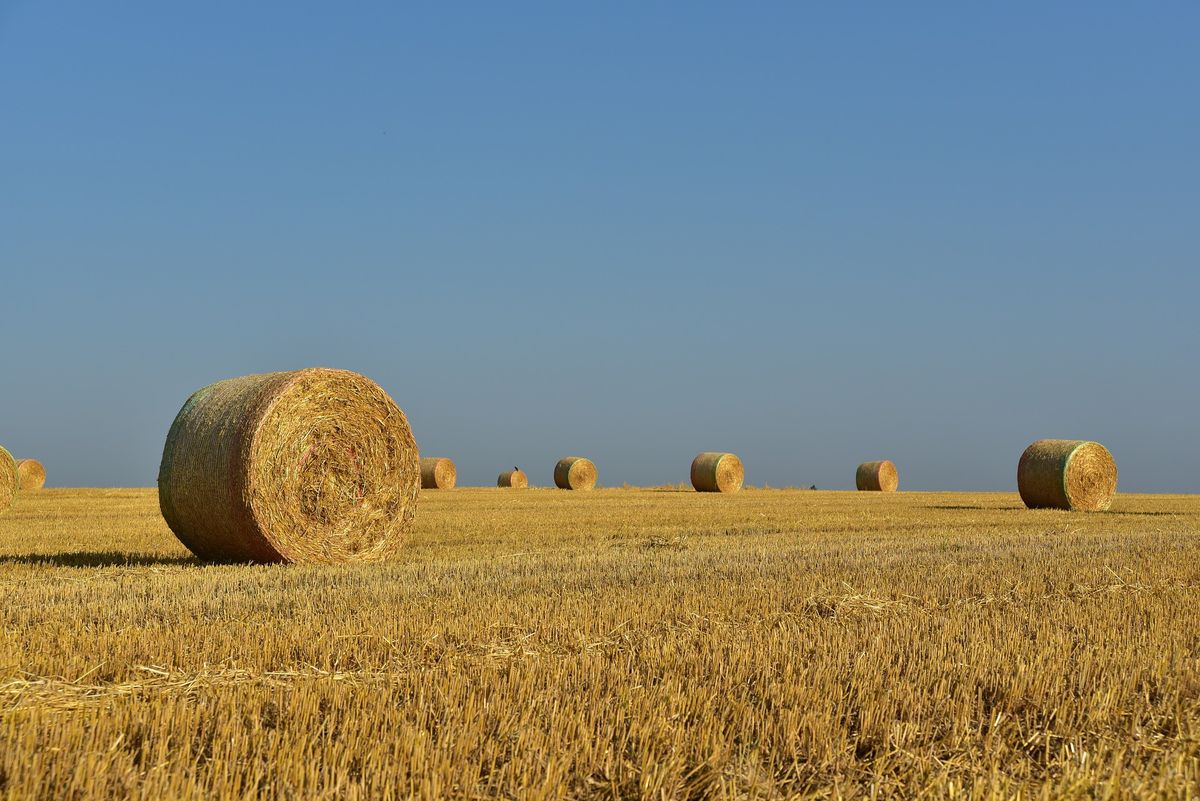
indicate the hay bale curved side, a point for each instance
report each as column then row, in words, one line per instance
column 513, row 479
column 8, row 479
column 879, row 476
column 438, row 473
column 1067, row 474
column 31, row 474
column 314, row 465
column 575, row 473
column 713, row 471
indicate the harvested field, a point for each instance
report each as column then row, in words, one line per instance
column 611, row 644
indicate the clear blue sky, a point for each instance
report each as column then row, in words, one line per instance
column 812, row 234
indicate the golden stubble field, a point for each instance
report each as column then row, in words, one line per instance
column 612, row 644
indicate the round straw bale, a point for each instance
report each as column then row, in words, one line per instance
column 8, row 479
column 313, row 465
column 31, row 474
column 575, row 473
column 514, row 479
column 717, row 472
column 1067, row 474
column 438, row 473
column 878, row 476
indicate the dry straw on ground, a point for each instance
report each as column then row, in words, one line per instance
column 314, row 465
column 513, row 479
column 717, row 472
column 1067, row 474
column 31, row 474
column 878, row 476
column 438, row 473
column 668, row 645
column 575, row 473
column 8, row 479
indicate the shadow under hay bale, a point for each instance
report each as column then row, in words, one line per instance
column 438, row 473
column 880, row 476
column 98, row 559
column 575, row 473
column 314, row 465
column 713, row 471
column 1067, row 474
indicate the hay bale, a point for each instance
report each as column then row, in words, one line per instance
column 513, row 479
column 313, row 465
column 575, row 473
column 8, row 479
column 717, row 472
column 438, row 473
column 31, row 474
column 878, row 476
column 1067, row 474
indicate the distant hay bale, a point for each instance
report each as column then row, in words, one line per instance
column 438, row 473
column 1067, row 474
column 717, row 472
column 513, row 479
column 575, row 473
column 878, row 476
column 8, row 479
column 313, row 465
column 31, row 474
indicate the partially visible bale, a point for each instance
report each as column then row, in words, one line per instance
column 878, row 476
column 438, row 473
column 8, row 479
column 1067, row 474
column 575, row 473
column 717, row 472
column 513, row 479
column 314, row 465
column 31, row 474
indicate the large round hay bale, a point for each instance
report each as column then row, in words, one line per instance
column 878, row 476
column 1067, row 474
column 575, row 473
column 8, row 479
column 513, row 479
column 31, row 474
column 438, row 473
column 313, row 465
column 717, row 472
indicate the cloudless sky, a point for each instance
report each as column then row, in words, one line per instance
column 813, row 234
